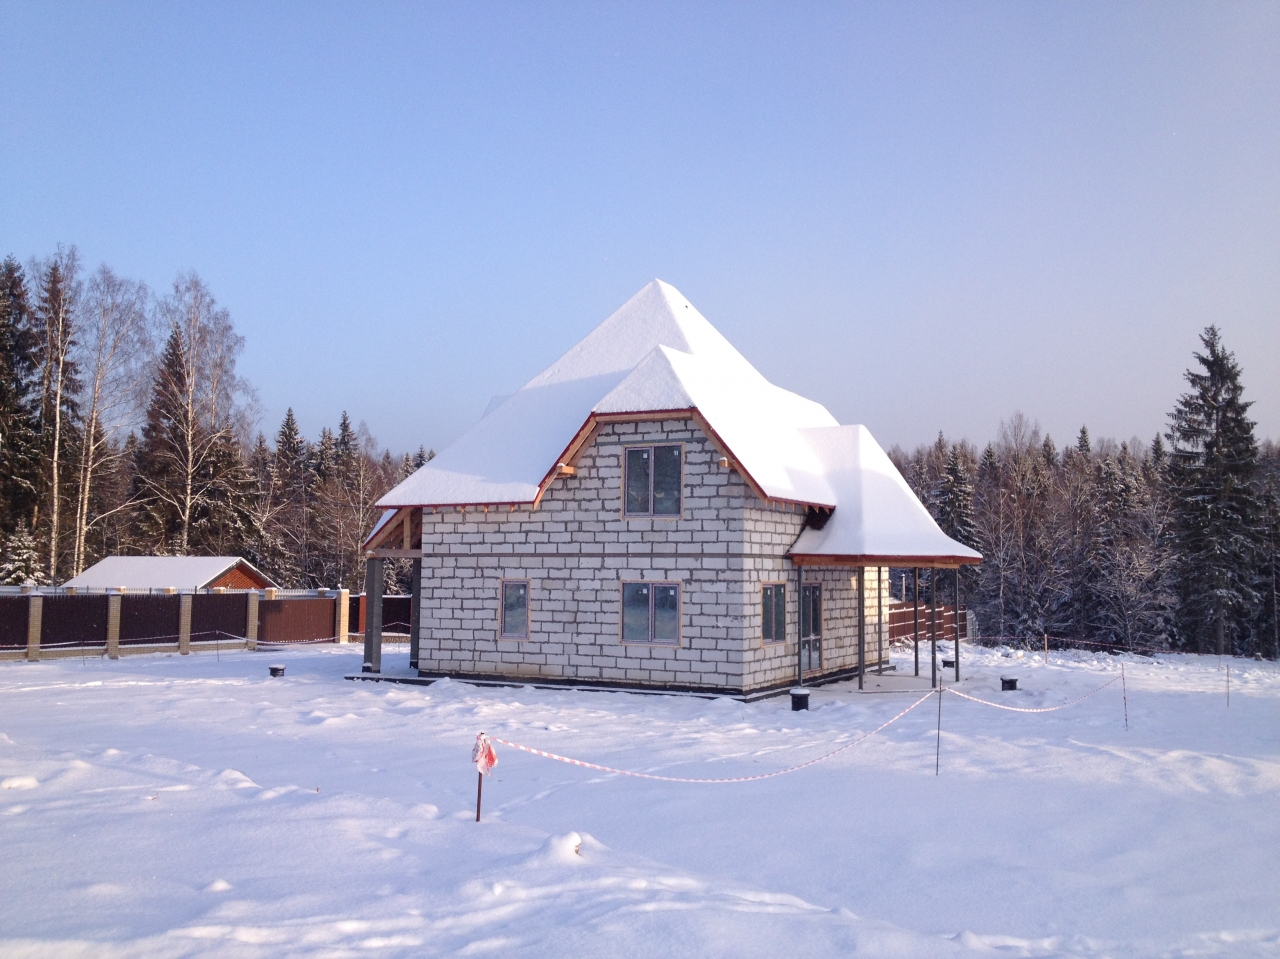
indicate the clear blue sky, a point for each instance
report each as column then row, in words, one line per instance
column 924, row 216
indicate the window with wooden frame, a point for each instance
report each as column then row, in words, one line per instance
column 515, row 609
column 652, row 480
column 773, row 612
column 651, row 613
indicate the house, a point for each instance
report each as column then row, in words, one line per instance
column 650, row 511
column 184, row 573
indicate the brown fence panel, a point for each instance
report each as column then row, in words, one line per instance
column 217, row 616
column 294, row 620
column 78, row 620
column 13, row 621
column 901, row 622
column 395, row 613
column 148, row 619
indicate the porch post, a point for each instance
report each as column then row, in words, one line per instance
column 415, row 613
column 933, row 627
column 373, row 615
column 881, row 572
column 862, row 623
column 957, row 619
column 799, row 618
column 915, row 613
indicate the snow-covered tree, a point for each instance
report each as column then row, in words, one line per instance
column 1213, row 457
column 21, row 563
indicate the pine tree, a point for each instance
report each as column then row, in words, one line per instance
column 1212, row 461
column 954, row 500
column 54, row 328
column 21, row 559
column 20, row 479
column 1083, row 445
column 1050, row 452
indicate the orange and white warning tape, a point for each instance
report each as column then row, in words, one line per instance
column 1027, row 709
column 735, row 779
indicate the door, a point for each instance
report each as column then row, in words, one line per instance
column 810, row 626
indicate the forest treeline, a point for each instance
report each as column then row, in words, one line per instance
column 1170, row 544
column 125, row 429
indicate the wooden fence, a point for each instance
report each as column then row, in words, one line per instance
column 902, row 622
column 45, row 623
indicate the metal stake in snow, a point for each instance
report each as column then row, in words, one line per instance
column 937, row 756
column 485, row 757
column 1125, row 690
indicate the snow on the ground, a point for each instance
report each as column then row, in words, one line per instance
column 193, row 806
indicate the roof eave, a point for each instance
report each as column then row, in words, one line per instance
column 868, row 559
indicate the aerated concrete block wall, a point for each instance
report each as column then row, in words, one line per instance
column 576, row 549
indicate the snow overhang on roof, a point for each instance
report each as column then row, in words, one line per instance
column 658, row 355
column 878, row 520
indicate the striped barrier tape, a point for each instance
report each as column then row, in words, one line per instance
column 1027, row 709
column 735, row 779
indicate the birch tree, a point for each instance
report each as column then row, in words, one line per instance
column 114, row 350
column 194, row 420
column 56, row 317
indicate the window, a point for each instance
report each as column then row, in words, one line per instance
column 811, row 626
column 773, row 619
column 515, row 609
column 653, row 481
column 650, row 613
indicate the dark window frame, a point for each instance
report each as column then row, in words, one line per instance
column 502, row 608
column 773, row 621
column 809, row 592
column 653, row 587
column 652, row 482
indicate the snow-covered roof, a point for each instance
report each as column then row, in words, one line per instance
column 656, row 354
column 878, row 518
column 158, row 572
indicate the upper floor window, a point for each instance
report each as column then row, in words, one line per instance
column 653, row 480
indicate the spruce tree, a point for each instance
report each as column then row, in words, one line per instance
column 1083, row 445
column 21, row 562
column 954, row 500
column 20, row 480
column 1213, row 457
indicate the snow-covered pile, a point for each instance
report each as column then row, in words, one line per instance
column 167, row 806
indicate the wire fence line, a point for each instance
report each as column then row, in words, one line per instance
column 733, row 779
column 812, row 762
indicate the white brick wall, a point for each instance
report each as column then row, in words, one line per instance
column 576, row 548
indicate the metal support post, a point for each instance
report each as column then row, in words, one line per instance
column 862, row 623
column 933, row 628
column 799, row 618
column 415, row 614
column 373, row 615
column 915, row 616
column 956, row 595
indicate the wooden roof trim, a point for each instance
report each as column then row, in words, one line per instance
column 595, row 420
column 401, row 532
column 925, row 562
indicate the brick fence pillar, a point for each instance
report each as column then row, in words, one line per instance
column 342, row 615
column 113, row 624
column 35, row 615
column 251, row 620
column 184, row 623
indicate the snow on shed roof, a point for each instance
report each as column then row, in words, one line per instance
column 656, row 354
column 158, row 572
